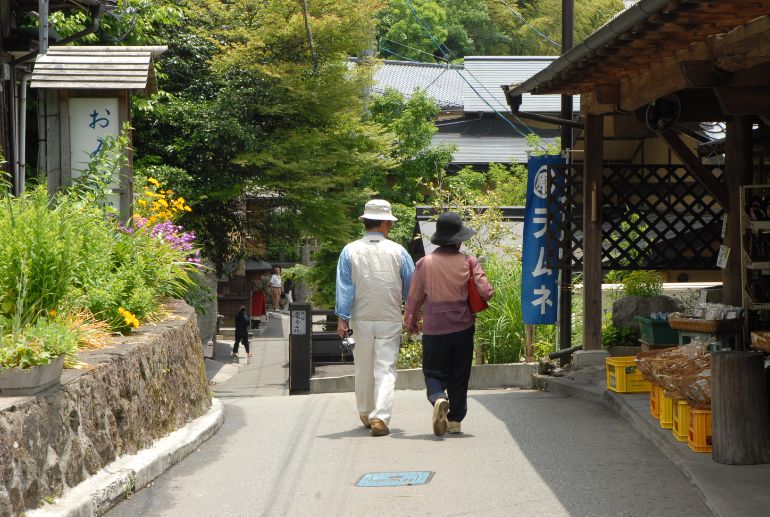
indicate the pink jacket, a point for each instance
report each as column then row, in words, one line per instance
column 440, row 287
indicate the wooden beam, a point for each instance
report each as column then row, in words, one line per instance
column 694, row 166
column 738, row 171
column 743, row 101
column 592, row 233
column 743, row 47
column 607, row 93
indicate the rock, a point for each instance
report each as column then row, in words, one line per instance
column 625, row 309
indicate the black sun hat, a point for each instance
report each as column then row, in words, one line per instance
column 450, row 230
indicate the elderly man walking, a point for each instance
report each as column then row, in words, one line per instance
column 373, row 277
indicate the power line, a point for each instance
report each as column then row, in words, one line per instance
column 398, row 55
column 532, row 28
column 444, row 50
column 411, row 48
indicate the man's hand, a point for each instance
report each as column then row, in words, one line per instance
column 342, row 327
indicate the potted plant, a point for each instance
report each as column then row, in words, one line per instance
column 32, row 358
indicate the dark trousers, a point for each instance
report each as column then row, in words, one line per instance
column 446, row 365
column 245, row 339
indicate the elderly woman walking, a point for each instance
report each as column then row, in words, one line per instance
column 440, row 287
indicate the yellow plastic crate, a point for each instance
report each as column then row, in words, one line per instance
column 681, row 427
column 624, row 377
column 655, row 392
column 699, row 435
column 666, row 411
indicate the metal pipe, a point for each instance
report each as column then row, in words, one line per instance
column 514, row 102
column 22, row 136
column 567, row 110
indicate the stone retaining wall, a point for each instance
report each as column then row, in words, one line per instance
column 141, row 388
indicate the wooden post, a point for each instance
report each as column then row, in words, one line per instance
column 739, row 171
column 740, row 415
column 565, row 275
column 529, row 338
column 592, row 233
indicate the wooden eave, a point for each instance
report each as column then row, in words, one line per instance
column 646, row 62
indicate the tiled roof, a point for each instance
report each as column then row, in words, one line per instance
column 486, row 149
column 443, row 84
column 486, row 74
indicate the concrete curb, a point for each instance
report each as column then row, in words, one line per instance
column 118, row 480
column 645, row 427
column 483, row 377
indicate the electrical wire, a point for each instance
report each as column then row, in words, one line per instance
column 532, row 28
column 383, row 49
column 444, row 50
column 411, row 48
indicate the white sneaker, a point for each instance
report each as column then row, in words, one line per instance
column 440, row 409
column 454, row 427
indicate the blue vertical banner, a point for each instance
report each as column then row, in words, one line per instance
column 539, row 286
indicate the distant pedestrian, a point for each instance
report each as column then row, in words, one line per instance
column 288, row 291
column 241, row 331
column 275, row 288
column 373, row 275
column 440, row 287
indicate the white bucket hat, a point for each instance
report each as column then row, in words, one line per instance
column 379, row 210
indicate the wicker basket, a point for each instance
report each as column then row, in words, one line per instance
column 760, row 339
column 705, row 326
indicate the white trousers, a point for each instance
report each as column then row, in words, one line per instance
column 375, row 355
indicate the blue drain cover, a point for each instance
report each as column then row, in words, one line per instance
column 375, row 479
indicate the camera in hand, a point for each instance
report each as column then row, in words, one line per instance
column 348, row 343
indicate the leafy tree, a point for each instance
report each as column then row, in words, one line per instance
column 398, row 25
column 545, row 17
column 412, row 123
column 132, row 22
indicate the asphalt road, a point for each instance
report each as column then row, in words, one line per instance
column 523, row 453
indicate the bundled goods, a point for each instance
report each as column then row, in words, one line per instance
column 708, row 318
column 760, row 340
column 684, row 372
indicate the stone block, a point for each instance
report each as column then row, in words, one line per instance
column 589, row 358
column 142, row 387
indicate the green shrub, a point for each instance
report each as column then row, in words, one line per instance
column 643, row 283
column 500, row 329
column 619, row 336
column 65, row 259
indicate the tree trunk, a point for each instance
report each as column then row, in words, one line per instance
column 740, row 417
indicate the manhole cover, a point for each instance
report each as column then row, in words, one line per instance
column 375, row 479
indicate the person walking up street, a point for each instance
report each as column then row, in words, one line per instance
column 440, row 287
column 275, row 288
column 373, row 278
column 288, row 291
column 242, row 321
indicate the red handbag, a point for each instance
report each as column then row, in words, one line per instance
column 475, row 302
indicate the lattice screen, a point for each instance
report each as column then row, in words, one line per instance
column 653, row 217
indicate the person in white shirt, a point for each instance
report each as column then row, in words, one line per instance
column 275, row 288
column 373, row 275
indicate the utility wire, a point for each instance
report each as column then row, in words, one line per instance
column 532, row 28
column 444, row 50
column 410, row 48
column 383, row 49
